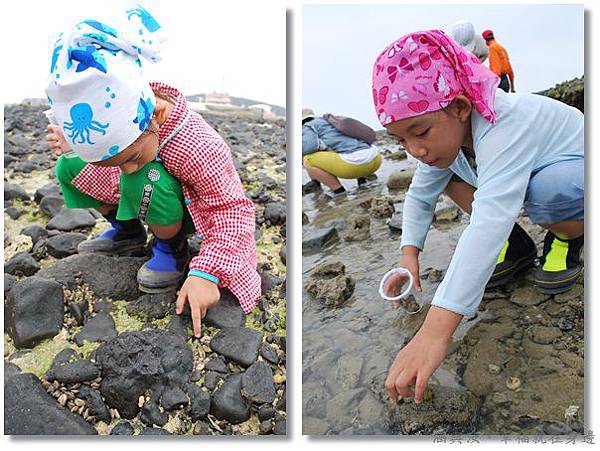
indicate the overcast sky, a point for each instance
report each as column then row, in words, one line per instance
column 340, row 43
column 208, row 41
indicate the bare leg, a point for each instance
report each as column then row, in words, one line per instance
column 566, row 230
column 105, row 208
column 164, row 232
column 329, row 180
column 462, row 195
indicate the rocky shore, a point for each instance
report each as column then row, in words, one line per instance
column 87, row 353
column 516, row 368
column 570, row 92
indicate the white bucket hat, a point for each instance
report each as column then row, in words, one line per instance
column 97, row 89
column 464, row 33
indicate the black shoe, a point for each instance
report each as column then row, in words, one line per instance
column 311, row 187
column 560, row 265
column 123, row 238
column 168, row 265
column 361, row 181
column 518, row 254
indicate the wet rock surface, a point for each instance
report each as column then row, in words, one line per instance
column 502, row 367
column 78, row 371
column 123, row 428
column 200, row 401
column 153, row 306
column 358, row 228
column 95, row 403
column 446, row 211
column 90, row 372
column 330, row 285
column 238, row 344
column 228, row 403
column 570, row 92
column 10, row 369
column 69, row 219
column 29, row 410
column 65, row 244
column 35, row 232
column 12, row 192
column 318, row 239
column 52, row 205
column 22, row 264
column 100, row 327
column 33, row 311
column 382, row 207
column 449, row 412
column 400, row 179
column 138, row 361
column 227, row 312
column 257, row 383
column 117, row 280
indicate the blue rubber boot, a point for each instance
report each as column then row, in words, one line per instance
column 168, row 265
column 123, row 238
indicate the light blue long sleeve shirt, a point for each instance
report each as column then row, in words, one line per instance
column 531, row 132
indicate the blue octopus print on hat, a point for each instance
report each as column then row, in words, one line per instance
column 144, row 113
column 82, row 117
column 147, row 20
column 97, row 85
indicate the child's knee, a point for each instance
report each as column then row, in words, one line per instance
column 68, row 168
column 62, row 173
column 164, row 232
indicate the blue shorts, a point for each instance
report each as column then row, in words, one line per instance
column 556, row 193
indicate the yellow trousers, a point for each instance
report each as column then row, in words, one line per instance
column 332, row 163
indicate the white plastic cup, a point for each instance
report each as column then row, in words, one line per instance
column 405, row 293
column 52, row 120
column 50, row 116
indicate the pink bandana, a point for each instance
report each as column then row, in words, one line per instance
column 423, row 72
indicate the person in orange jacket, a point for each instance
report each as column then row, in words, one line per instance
column 499, row 62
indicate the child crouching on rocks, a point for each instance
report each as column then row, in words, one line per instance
column 492, row 153
column 335, row 147
column 141, row 156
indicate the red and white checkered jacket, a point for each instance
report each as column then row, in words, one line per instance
column 201, row 160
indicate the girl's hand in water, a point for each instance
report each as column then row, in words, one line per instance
column 56, row 140
column 202, row 295
column 415, row 363
column 395, row 284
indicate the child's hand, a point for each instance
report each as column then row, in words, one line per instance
column 56, row 140
column 417, row 361
column 414, row 365
column 202, row 295
column 395, row 284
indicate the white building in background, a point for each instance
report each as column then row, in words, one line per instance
column 218, row 98
column 223, row 103
column 266, row 109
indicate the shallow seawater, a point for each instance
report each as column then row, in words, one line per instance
column 346, row 351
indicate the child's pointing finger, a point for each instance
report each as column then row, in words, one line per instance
column 196, row 319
